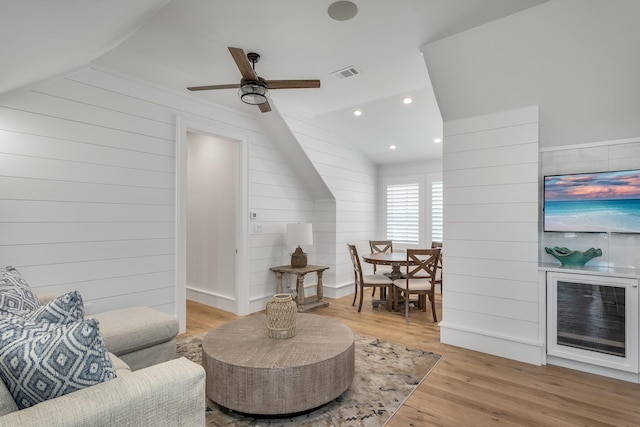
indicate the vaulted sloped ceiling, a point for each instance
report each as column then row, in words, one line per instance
column 185, row 44
column 576, row 59
column 43, row 38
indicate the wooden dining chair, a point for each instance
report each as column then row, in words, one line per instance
column 422, row 265
column 439, row 272
column 362, row 281
column 381, row 247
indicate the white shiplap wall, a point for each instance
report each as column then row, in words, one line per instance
column 277, row 197
column 352, row 179
column 491, row 298
column 87, row 190
column 87, row 194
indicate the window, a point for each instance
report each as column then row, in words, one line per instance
column 403, row 212
column 436, row 211
column 413, row 210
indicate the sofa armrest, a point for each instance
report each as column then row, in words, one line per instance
column 168, row 394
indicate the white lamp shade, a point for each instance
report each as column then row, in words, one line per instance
column 299, row 234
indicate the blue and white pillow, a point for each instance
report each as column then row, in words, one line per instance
column 43, row 360
column 47, row 351
column 15, row 292
column 63, row 309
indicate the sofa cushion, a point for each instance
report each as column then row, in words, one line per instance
column 131, row 329
column 41, row 361
column 119, row 365
column 15, row 292
column 63, row 309
column 7, row 404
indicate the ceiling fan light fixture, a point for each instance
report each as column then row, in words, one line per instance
column 254, row 92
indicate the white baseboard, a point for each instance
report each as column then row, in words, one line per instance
column 515, row 349
column 213, row 300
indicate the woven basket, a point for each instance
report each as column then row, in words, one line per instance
column 281, row 313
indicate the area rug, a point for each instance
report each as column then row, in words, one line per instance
column 385, row 376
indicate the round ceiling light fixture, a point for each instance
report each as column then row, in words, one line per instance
column 407, row 100
column 253, row 92
column 342, row 10
column 357, row 113
column 437, row 140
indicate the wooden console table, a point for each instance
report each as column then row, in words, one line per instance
column 304, row 304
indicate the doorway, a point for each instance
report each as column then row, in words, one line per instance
column 211, row 218
column 212, row 192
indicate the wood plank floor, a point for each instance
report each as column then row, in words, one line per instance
column 468, row 388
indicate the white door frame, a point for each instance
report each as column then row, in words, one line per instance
column 186, row 124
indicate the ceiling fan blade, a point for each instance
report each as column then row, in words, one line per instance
column 211, row 87
column 292, row 84
column 265, row 108
column 243, row 63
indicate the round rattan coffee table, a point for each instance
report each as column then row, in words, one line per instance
column 249, row 372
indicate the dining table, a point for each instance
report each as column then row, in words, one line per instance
column 396, row 260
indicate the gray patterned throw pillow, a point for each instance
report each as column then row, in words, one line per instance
column 63, row 309
column 41, row 361
column 15, row 292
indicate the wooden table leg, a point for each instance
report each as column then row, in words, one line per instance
column 320, row 290
column 395, row 272
column 278, row 282
column 300, row 289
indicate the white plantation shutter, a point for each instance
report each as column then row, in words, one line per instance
column 403, row 212
column 436, row 211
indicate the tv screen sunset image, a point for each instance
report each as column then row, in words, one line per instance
column 593, row 202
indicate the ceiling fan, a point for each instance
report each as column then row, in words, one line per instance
column 254, row 89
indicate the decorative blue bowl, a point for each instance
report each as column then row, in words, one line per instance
column 569, row 258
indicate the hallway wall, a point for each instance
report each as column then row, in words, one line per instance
column 212, row 182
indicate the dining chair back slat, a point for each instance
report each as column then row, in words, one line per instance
column 381, row 247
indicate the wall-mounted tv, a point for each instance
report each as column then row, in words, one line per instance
column 601, row 202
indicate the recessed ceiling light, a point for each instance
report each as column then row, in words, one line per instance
column 392, row 147
column 357, row 113
column 407, row 100
column 342, row 10
column 437, row 140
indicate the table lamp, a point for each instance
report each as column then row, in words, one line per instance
column 299, row 234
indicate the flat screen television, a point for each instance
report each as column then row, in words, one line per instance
column 600, row 202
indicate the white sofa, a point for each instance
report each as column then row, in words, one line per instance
column 152, row 387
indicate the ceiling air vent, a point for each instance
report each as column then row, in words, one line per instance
column 346, row 72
